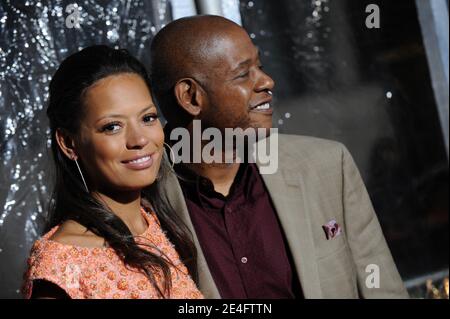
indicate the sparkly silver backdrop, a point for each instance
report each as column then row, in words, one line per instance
column 35, row 36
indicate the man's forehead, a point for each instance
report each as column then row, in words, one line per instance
column 232, row 47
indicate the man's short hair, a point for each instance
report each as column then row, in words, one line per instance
column 181, row 50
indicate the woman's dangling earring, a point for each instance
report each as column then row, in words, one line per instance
column 82, row 177
column 171, row 156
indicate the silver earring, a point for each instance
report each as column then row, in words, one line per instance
column 82, row 177
column 171, row 156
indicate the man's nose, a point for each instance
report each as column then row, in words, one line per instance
column 265, row 82
column 136, row 138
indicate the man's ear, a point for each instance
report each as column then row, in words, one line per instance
column 189, row 95
column 66, row 144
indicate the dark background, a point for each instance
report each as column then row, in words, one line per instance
column 371, row 90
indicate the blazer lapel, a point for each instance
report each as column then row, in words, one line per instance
column 287, row 192
column 176, row 198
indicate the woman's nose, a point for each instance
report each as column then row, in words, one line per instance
column 136, row 138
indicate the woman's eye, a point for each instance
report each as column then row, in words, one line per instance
column 150, row 118
column 110, row 128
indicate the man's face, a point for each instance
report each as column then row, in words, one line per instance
column 237, row 88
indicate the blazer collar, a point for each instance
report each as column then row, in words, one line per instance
column 287, row 191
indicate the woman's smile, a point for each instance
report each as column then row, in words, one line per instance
column 140, row 162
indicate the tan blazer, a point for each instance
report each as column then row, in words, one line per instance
column 317, row 181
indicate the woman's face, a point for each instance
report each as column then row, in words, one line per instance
column 121, row 138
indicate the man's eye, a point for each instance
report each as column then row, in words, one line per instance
column 150, row 118
column 243, row 75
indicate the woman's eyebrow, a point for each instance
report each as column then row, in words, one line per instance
column 123, row 116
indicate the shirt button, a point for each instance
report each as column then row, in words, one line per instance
column 244, row 260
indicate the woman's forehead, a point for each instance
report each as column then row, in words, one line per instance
column 122, row 93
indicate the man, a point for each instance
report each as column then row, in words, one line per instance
column 309, row 229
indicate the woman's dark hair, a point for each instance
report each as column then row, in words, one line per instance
column 71, row 201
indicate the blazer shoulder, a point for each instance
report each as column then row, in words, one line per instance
column 311, row 148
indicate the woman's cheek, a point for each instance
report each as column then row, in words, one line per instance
column 158, row 133
column 106, row 150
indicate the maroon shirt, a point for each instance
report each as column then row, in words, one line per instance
column 240, row 236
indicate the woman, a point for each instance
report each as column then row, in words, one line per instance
column 111, row 232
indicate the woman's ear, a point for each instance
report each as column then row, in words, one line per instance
column 189, row 95
column 66, row 143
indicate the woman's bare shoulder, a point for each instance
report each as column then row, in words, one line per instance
column 74, row 234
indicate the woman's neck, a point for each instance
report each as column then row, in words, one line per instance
column 128, row 208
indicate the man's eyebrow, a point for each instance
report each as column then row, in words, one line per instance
column 121, row 116
column 246, row 62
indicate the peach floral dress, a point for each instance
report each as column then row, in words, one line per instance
column 84, row 272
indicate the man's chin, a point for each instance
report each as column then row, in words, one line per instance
column 266, row 130
column 262, row 130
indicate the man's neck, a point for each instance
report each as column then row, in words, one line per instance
column 221, row 175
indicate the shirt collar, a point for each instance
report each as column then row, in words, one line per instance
column 198, row 186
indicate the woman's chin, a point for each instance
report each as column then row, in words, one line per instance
column 137, row 185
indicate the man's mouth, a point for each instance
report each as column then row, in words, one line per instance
column 264, row 107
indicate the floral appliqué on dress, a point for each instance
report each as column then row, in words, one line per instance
column 84, row 272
